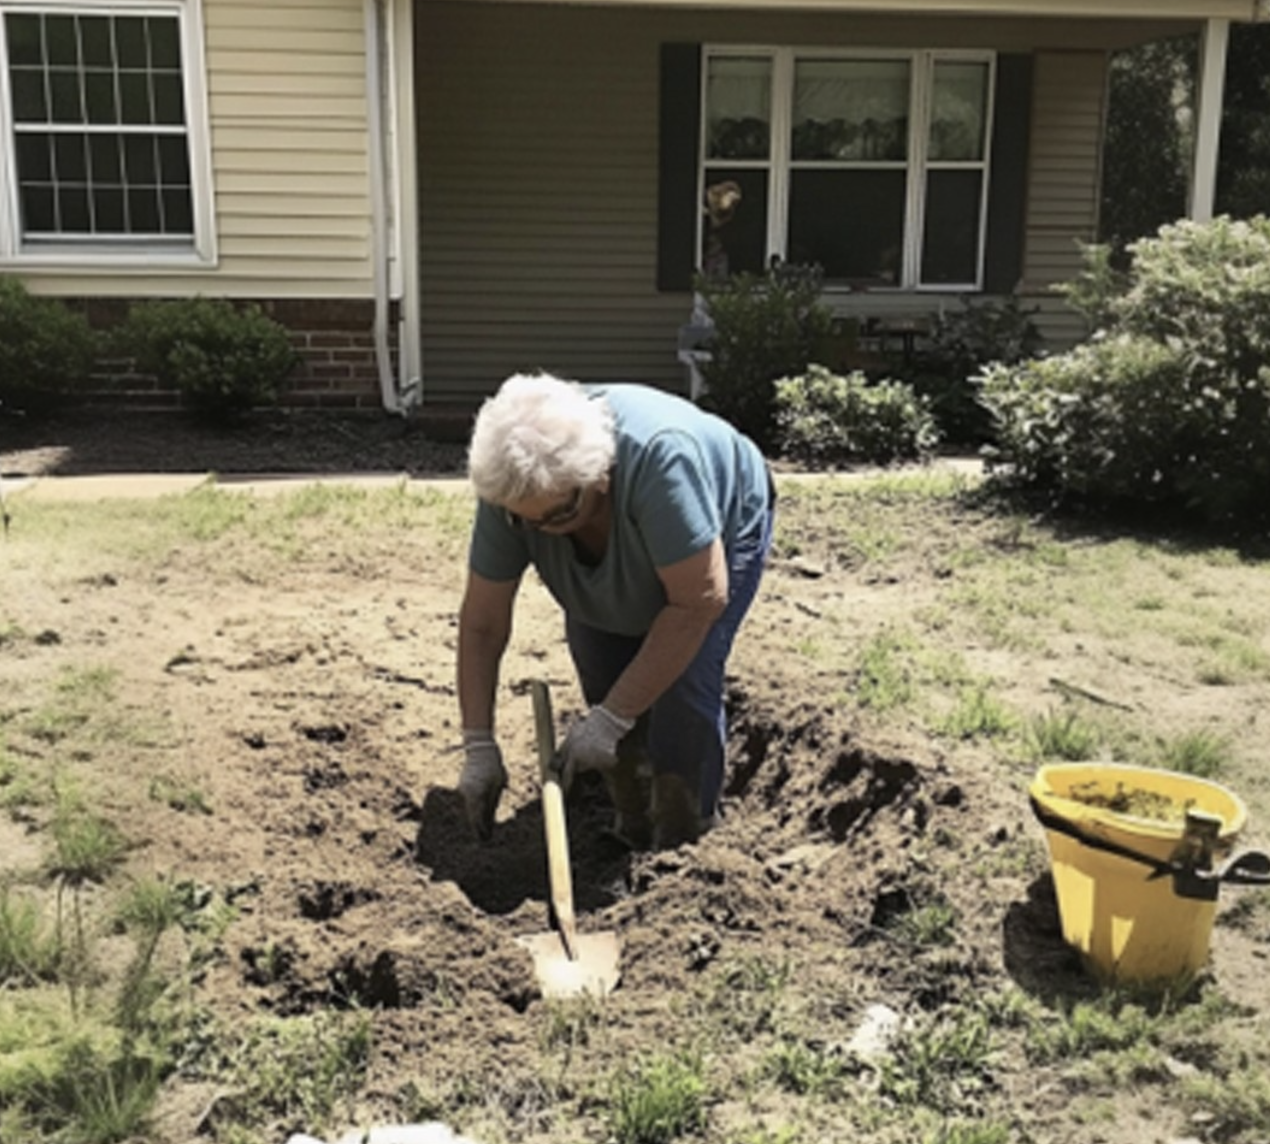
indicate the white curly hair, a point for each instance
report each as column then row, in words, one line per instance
column 539, row 435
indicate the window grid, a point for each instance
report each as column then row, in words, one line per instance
column 917, row 166
column 78, row 84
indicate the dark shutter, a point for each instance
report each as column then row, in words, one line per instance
column 678, row 119
column 1007, row 189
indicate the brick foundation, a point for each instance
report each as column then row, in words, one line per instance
column 335, row 338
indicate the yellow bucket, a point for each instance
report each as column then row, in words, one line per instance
column 1128, row 926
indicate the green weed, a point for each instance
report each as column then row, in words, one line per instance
column 1204, row 754
column 1063, row 735
column 660, row 1099
column 29, row 951
column 885, row 675
column 978, row 715
column 804, row 1069
column 1238, row 1104
column 940, row 1064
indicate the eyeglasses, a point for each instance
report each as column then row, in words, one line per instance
column 561, row 515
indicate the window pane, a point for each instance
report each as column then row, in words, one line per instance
column 134, row 97
column 29, row 104
column 94, row 41
column 851, row 222
column 959, row 111
column 143, row 210
column 39, row 212
column 26, row 39
column 99, row 96
column 178, row 213
column 169, row 103
column 738, row 108
column 950, row 248
column 174, row 162
column 70, row 160
column 130, row 42
column 138, row 160
column 851, row 110
column 103, row 159
column 61, row 41
column 108, row 213
column 73, row 204
column 165, row 46
column 35, row 164
column 736, row 243
column 64, row 91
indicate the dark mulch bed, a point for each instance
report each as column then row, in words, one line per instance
column 81, row 442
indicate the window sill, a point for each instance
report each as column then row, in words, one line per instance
column 108, row 262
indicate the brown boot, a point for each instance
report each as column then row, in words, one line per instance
column 628, row 792
column 676, row 812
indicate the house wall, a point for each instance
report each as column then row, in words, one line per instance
column 538, row 174
column 288, row 125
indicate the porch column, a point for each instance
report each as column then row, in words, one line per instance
column 1208, row 107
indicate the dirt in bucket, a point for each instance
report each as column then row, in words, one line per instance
column 1132, row 801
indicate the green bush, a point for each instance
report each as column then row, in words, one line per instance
column 1170, row 404
column 946, row 366
column 223, row 359
column 827, row 419
column 765, row 327
column 46, row 350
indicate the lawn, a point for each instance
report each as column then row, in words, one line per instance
column 239, row 899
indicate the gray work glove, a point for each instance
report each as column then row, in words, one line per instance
column 482, row 781
column 591, row 744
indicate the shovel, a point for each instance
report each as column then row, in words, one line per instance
column 566, row 962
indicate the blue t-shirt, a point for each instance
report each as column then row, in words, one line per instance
column 682, row 478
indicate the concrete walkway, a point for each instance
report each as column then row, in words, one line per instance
column 142, row 486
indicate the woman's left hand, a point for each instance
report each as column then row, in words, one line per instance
column 591, row 743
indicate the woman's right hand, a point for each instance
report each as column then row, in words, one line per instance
column 482, row 781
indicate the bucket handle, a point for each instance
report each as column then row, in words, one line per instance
column 1192, row 875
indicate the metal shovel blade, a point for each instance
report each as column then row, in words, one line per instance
column 595, row 970
column 566, row 963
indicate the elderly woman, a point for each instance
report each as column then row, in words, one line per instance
column 648, row 520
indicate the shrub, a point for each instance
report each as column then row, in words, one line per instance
column 223, row 359
column 1171, row 404
column 960, row 344
column 46, row 350
column 765, row 327
column 824, row 419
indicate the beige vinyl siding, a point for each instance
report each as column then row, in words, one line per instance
column 288, row 122
column 1068, row 112
column 538, row 158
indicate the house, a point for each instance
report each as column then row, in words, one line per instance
column 432, row 194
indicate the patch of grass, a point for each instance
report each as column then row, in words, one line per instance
column 978, row 715
column 1063, row 735
column 298, row 1069
column 29, row 951
column 1204, row 754
column 805, row 1069
column 970, row 1132
column 179, row 797
column 927, row 925
column 1087, row 1027
column 885, row 674
column 658, row 1099
column 88, row 848
column 941, row 1063
column 1238, row 1102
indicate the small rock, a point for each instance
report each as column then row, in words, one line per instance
column 876, row 1032
column 1180, row 1070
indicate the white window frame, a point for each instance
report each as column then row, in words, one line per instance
column 779, row 163
column 114, row 253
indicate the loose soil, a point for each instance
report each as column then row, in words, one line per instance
column 311, row 705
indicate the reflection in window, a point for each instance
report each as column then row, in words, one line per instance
column 738, row 96
column 851, row 110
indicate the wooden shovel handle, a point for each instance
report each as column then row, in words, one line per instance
column 559, row 875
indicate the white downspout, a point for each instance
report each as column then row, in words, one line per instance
column 1212, row 79
column 405, row 284
column 378, row 203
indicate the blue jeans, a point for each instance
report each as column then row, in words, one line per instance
column 686, row 726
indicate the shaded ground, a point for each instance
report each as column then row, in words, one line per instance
column 88, row 441
column 310, row 702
